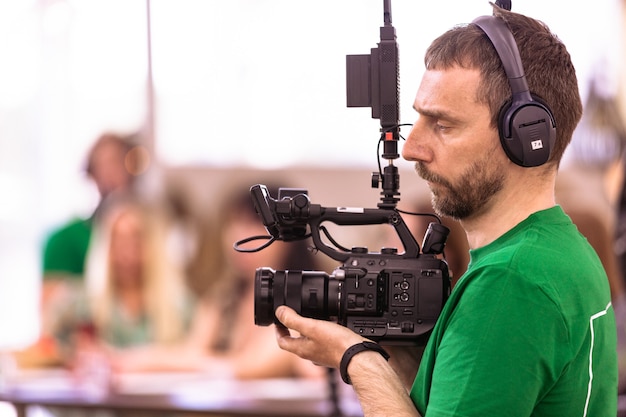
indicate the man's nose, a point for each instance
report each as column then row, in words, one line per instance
column 415, row 148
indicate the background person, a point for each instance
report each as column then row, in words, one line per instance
column 113, row 165
column 109, row 167
column 143, row 299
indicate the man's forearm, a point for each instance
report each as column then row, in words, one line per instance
column 378, row 387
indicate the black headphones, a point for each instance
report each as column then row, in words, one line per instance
column 526, row 125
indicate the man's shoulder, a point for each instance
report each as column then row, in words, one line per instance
column 65, row 248
column 76, row 226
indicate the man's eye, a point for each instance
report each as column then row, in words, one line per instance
column 441, row 127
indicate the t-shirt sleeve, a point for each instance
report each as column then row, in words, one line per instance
column 65, row 250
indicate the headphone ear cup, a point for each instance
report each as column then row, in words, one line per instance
column 527, row 132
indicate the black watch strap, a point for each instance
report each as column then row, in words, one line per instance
column 353, row 350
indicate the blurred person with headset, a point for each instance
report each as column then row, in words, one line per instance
column 113, row 163
column 108, row 167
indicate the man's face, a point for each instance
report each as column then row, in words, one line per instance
column 108, row 168
column 454, row 145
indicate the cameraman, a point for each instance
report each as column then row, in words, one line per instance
column 529, row 329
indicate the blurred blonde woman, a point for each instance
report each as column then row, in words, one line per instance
column 142, row 298
column 136, row 295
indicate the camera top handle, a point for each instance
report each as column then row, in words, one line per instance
column 287, row 219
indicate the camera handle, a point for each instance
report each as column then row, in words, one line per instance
column 346, row 216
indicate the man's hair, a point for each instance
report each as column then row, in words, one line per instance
column 547, row 64
column 124, row 143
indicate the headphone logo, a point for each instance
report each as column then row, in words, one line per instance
column 536, row 144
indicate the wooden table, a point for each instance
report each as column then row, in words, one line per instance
column 180, row 394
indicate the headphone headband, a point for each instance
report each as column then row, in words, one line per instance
column 502, row 39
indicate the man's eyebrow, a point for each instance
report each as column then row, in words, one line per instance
column 434, row 113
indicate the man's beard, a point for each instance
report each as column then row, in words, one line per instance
column 470, row 194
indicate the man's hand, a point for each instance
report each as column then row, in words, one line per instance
column 377, row 386
column 321, row 342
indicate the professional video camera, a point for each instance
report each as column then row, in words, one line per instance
column 386, row 295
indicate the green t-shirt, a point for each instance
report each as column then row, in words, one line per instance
column 527, row 331
column 65, row 249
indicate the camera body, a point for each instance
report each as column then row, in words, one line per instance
column 382, row 298
column 386, row 295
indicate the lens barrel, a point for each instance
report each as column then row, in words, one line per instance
column 311, row 293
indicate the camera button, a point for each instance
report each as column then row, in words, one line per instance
column 407, row 327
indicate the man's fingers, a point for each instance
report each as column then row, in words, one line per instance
column 314, row 338
column 285, row 314
column 291, row 320
column 281, row 330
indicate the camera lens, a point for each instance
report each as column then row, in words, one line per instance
column 263, row 296
column 311, row 293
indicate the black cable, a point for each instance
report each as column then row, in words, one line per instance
column 332, row 240
column 238, row 248
column 411, row 213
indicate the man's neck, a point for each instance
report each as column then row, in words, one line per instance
column 509, row 208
